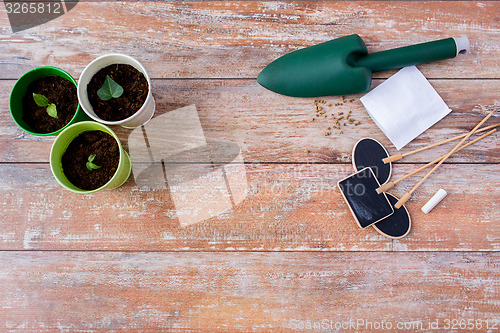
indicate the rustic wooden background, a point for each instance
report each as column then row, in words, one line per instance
column 290, row 256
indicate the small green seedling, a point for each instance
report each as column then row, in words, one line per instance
column 91, row 166
column 42, row 101
column 110, row 89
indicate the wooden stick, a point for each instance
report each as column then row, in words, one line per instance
column 387, row 186
column 397, row 157
column 407, row 195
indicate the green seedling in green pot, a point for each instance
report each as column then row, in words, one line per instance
column 43, row 102
column 91, row 166
column 61, row 144
column 23, row 106
column 110, row 89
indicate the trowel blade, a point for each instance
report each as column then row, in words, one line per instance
column 320, row 70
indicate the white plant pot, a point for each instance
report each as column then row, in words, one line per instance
column 142, row 116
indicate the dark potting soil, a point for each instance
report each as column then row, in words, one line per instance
column 58, row 91
column 74, row 160
column 135, row 91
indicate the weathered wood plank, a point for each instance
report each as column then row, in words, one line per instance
column 272, row 128
column 248, row 292
column 254, row 261
column 182, row 39
column 287, row 207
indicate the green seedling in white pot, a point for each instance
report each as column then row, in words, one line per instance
column 110, row 89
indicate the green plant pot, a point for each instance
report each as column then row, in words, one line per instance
column 20, row 89
column 61, row 144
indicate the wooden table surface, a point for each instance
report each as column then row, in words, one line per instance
column 289, row 256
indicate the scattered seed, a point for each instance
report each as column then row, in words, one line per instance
column 337, row 117
column 306, row 151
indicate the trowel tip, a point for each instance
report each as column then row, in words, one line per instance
column 263, row 79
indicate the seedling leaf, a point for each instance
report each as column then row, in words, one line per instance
column 51, row 110
column 91, row 166
column 40, row 100
column 110, row 89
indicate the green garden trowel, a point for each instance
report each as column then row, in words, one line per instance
column 343, row 66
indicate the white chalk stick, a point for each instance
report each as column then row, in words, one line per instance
column 434, row 201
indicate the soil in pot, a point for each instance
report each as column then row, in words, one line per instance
column 135, row 91
column 76, row 156
column 58, row 91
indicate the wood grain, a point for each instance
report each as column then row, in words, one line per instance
column 272, row 128
column 288, row 257
column 242, row 292
column 288, row 207
column 237, row 39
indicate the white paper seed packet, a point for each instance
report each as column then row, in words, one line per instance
column 404, row 106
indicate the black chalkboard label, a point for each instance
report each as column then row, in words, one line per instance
column 360, row 192
column 369, row 152
column 398, row 224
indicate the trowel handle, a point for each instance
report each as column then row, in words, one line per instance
column 414, row 54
